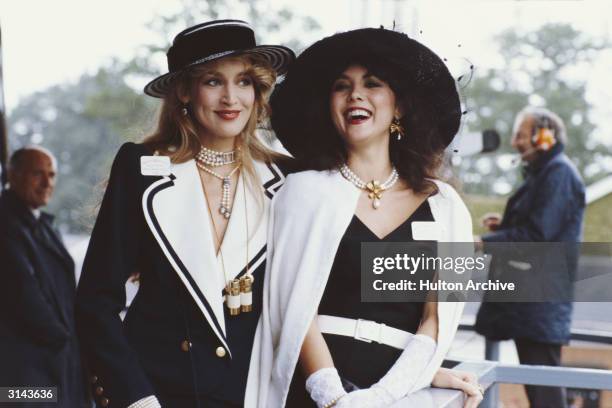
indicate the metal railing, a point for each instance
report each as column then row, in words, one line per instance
column 491, row 373
column 544, row 375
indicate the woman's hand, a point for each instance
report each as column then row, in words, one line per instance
column 491, row 221
column 459, row 380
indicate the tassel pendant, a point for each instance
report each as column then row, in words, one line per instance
column 233, row 297
column 246, row 293
column 239, row 295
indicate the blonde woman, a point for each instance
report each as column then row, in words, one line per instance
column 187, row 210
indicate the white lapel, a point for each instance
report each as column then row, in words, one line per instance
column 176, row 212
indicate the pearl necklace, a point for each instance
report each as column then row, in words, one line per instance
column 214, row 158
column 374, row 188
column 226, row 185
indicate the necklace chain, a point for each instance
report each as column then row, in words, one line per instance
column 244, row 283
column 226, row 185
column 374, row 188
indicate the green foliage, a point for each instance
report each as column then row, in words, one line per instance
column 125, row 110
column 280, row 26
column 538, row 69
column 597, row 221
column 83, row 124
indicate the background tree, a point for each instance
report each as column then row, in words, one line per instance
column 83, row 124
column 272, row 25
column 538, row 69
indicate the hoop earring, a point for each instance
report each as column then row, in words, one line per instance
column 396, row 129
column 184, row 111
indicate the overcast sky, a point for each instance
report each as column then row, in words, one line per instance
column 50, row 42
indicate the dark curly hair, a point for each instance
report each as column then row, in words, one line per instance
column 419, row 79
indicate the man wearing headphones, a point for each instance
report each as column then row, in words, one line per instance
column 547, row 207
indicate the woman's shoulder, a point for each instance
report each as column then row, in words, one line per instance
column 131, row 149
column 448, row 197
column 286, row 164
column 307, row 179
column 446, row 191
column 305, row 188
column 127, row 159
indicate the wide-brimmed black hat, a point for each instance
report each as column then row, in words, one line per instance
column 298, row 101
column 213, row 40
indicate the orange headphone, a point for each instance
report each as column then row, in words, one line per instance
column 543, row 136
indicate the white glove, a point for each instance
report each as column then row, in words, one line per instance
column 146, row 402
column 325, row 386
column 372, row 397
column 399, row 379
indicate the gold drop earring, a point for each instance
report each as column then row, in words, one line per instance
column 396, row 128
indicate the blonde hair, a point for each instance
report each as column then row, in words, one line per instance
column 176, row 135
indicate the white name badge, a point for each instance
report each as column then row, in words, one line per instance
column 155, row 165
column 426, row 231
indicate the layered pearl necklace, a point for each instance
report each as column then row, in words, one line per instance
column 207, row 157
column 374, row 188
column 216, row 159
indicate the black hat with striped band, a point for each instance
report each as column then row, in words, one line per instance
column 213, row 40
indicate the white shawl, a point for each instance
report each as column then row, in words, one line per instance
column 308, row 219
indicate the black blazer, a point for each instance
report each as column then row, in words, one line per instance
column 38, row 344
column 176, row 339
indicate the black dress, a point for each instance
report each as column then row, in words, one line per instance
column 358, row 362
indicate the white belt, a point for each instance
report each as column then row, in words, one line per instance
column 364, row 330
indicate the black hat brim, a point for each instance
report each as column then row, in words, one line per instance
column 297, row 101
column 278, row 57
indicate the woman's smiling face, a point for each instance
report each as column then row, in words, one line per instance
column 223, row 99
column 362, row 106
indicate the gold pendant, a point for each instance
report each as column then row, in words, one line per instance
column 375, row 191
column 232, row 297
column 239, row 295
column 246, row 293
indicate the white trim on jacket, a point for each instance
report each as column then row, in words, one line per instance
column 176, row 212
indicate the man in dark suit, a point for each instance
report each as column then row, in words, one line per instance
column 38, row 344
column 548, row 207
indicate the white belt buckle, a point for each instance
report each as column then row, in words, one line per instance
column 368, row 330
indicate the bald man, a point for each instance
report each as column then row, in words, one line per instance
column 38, row 344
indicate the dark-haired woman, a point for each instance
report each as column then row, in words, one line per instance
column 370, row 113
column 187, row 210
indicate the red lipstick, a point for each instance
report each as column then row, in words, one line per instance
column 228, row 114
